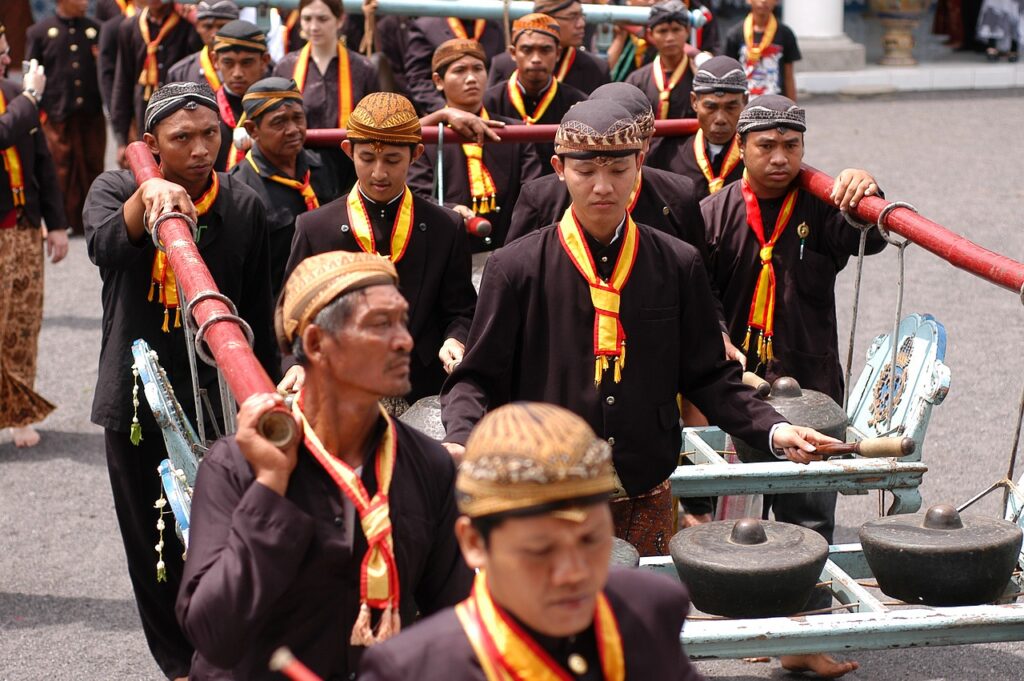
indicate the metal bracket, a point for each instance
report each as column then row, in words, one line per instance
column 208, row 295
column 204, row 327
column 154, row 231
column 885, row 214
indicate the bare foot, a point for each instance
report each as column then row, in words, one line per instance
column 825, row 666
column 757, row 660
column 25, row 437
column 692, row 520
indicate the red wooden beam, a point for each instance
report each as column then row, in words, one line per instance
column 228, row 344
column 953, row 248
column 510, row 134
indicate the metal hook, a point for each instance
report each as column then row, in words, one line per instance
column 883, row 216
column 154, row 231
column 205, row 326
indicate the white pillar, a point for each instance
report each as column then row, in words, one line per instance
column 818, row 25
column 814, row 18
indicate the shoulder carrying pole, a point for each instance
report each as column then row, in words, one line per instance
column 224, row 332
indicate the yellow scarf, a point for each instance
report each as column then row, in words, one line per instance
column 481, row 185
column 401, row 232
column 127, row 8
column 289, row 24
column 507, row 653
column 609, row 336
column 344, row 79
column 12, row 164
column 479, row 26
column 150, row 76
column 379, row 585
column 732, row 159
column 762, row 307
column 754, row 51
column 568, row 59
column 665, row 91
column 517, row 99
column 164, row 285
column 303, row 187
column 209, row 72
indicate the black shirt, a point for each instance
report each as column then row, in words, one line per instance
column 282, row 203
column 68, row 48
column 233, row 245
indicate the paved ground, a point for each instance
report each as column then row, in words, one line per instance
column 66, row 609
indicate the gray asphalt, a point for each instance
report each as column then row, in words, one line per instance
column 66, row 608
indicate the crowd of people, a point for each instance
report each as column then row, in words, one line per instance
column 352, row 266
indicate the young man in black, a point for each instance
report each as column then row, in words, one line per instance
column 532, row 94
column 140, row 301
column 426, row 242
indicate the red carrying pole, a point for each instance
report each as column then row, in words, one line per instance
column 953, row 248
column 510, row 134
column 225, row 338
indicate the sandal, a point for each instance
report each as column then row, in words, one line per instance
column 992, row 54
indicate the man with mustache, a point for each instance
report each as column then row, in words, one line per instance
column 148, row 44
column 711, row 158
column 768, row 240
column 241, row 58
column 289, row 178
column 576, row 67
column 426, row 242
column 337, row 541
column 532, row 94
column 533, row 497
column 140, row 300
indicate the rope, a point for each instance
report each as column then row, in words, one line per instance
column 863, row 227
column 1014, row 448
column 894, row 338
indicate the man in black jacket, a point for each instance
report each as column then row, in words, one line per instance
column 381, row 215
column 289, row 178
column 140, row 301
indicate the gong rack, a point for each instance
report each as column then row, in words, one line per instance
column 863, row 620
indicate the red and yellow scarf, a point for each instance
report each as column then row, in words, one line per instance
column 12, row 164
column 754, row 52
column 732, row 159
column 568, row 59
column 507, row 653
column 289, row 24
column 483, row 193
column 665, row 90
column 609, row 336
column 401, row 232
column 762, row 307
column 209, row 72
column 228, row 116
column 378, row 578
column 303, row 187
column 150, row 76
column 127, row 8
column 479, row 26
column 163, row 285
column 516, row 97
column 345, row 95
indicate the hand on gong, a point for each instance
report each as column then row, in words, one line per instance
column 797, row 443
